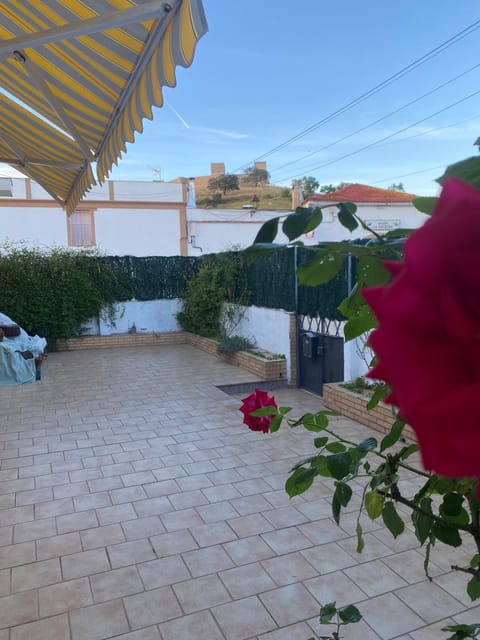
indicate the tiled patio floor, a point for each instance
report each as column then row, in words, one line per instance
column 135, row 505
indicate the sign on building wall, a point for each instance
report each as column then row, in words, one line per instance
column 383, row 225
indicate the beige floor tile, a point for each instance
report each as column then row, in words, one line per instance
column 433, row 631
column 64, row 596
column 409, row 566
column 17, row 609
column 328, row 557
column 54, row 508
column 375, row 578
column 150, row 633
column 220, row 493
column 243, row 618
column 216, row 512
column 213, row 533
column 102, row 536
column 34, row 530
column 290, row 604
column 57, row 546
column 115, row 584
column 187, row 499
column 84, row 563
column 163, row 572
column 249, row 525
column 37, row 574
column 91, row 501
column 286, row 540
column 76, row 521
column 335, row 586
column 143, row 527
column 185, row 519
column 151, row 607
column 356, row 631
column 389, row 617
column 373, row 548
column 289, row 568
column 99, row 621
column 285, row 517
column 247, row 580
column 299, row 631
column 17, row 554
column 429, row 601
column 207, row 560
column 126, row 553
column 56, row 628
column 200, row 593
column 119, row 496
column 31, row 497
column 201, row 626
column 167, row 544
column 16, row 515
column 70, row 490
column 153, row 506
column 117, row 513
column 247, row 550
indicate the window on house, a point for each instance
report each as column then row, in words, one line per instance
column 81, row 228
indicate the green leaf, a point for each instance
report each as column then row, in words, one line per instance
column 379, row 394
column 475, row 561
column 442, row 485
column 468, row 170
column 391, row 438
column 339, row 465
column 299, row 481
column 392, row 520
column 264, row 411
column 451, row 505
column 425, row 205
column 327, row 612
column 423, row 523
column 344, row 493
column 320, row 442
column 275, row 424
column 371, row 272
column 360, row 541
column 349, row 614
column 335, row 447
column 448, row 535
column 284, row 410
column 346, row 215
column 358, row 326
column 300, row 222
column 406, row 452
column 321, row 269
column 321, row 466
column 268, row 231
column 336, row 508
column 473, row 588
column 374, row 504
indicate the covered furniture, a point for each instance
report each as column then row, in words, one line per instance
column 20, row 355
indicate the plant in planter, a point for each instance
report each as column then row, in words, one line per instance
column 425, row 318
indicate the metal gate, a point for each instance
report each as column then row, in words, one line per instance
column 320, row 355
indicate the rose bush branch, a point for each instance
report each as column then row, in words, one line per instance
column 421, row 304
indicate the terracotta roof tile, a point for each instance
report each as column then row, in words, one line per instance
column 362, row 193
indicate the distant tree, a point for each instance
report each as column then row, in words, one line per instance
column 328, row 188
column 397, row 187
column 310, row 185
column 224, row 183
column 256, row 176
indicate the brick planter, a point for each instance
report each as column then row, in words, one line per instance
column 353, row 405
column 263, row 368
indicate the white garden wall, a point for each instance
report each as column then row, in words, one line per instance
column 151, row 316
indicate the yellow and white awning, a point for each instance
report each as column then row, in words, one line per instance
column 77, row 77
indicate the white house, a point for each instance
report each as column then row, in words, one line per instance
column 160, row 218
column 382, row 209
column 119, row 217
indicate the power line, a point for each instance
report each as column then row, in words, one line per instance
column 371, row 124
column 412, row 173
column 364, row 96
column 380, row 140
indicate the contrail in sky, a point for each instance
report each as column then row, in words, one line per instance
column 184, row 122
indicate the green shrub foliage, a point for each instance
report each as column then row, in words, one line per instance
column 55, row 293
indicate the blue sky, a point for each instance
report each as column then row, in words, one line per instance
column 268, row 69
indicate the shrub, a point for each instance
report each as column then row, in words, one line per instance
column 233, row 344
column 202, row 303
column 54, row 293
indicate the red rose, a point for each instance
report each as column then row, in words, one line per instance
column 428, row 340
column 255, row 401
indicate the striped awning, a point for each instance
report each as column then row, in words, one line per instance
column 77, row 78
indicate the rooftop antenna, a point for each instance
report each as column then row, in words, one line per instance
column 157, row 174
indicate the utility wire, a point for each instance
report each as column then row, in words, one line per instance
column 381, row 119
column 380, row 140
column 412, row 173
column 364, row 96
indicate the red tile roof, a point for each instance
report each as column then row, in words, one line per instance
column 362, row 193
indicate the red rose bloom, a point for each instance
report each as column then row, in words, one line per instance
column 253, row 402
column 428, row 340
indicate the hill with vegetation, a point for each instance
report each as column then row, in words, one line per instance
column 270, row 198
